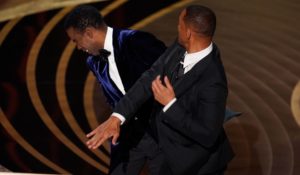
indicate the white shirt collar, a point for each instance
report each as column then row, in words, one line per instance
column 193, row 58
column 108, row 42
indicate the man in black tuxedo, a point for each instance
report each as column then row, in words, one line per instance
column 118, row 58
column 189, row 85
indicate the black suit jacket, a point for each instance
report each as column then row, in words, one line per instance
column 190, row 132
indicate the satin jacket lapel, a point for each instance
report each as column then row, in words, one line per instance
column 117, row 45
column 192, row 76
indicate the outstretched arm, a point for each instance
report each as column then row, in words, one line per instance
column 129, row 104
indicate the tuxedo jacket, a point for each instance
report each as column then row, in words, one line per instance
column 134, row 52
column 190, row 133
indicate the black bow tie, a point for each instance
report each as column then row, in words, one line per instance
column 103, row 55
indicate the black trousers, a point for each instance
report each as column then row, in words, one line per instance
column 146, row 152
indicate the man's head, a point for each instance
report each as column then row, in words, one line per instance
column 86, row 28
column 196, row 21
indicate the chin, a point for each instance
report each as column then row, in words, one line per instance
column 93, row 53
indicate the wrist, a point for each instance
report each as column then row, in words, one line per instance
column 115, row 119
column 168, row 101
column 167, row 106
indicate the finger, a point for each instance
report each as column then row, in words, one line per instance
column 153, row 89
column 157, row 77
column 155, row 85
column 115, row 138
column 91, row 134
column 160, row 87
column 98, row 143
column 94, row 138
column 168, row 83
column 158, row 80
column 90, row 143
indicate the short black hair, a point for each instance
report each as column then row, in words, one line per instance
column 201, row 19
column 82, row 17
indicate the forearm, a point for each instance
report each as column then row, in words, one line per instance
column 138, row 94
column 141, row 90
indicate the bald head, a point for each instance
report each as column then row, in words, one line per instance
column 200, row 20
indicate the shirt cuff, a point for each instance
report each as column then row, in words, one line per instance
column 169, row 104
column 119, row 116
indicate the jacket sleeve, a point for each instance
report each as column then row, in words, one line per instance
column 141, row 90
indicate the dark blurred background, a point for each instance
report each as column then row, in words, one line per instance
column 49, row 100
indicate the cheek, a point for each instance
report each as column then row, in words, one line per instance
column 83, row 42
column 181, row 32
column 88, row 43
column 91, row 46
column 181, row 36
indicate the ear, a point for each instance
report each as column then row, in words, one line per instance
column 89, row 32
column 188, row 33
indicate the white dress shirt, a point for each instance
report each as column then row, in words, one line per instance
column 112, row 66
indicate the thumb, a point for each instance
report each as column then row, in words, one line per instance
column 115, row 138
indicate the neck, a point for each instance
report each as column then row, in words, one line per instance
column 100, row 37
column 198, row 44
